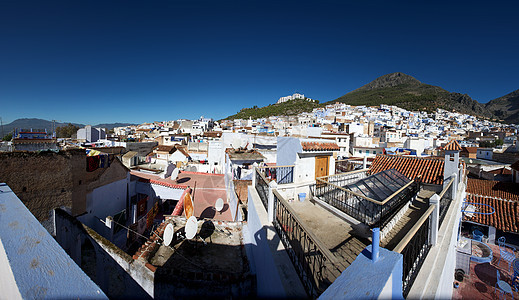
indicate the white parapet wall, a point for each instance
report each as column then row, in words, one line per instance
column 32, row 263
column 436, row 276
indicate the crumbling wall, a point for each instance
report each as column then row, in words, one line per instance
column 44, row 180
column 47, row 180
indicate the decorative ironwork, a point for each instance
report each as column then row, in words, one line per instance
column 280, row 174
column 314, row 263
column 414, row 254
column 262, row 187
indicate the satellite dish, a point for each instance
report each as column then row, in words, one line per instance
column 188, row 205
column 219, row 204
column 191, row 227
column 174, row 174
column 168, row 234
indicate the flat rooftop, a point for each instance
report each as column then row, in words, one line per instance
column 207, row 188
column 217, row 248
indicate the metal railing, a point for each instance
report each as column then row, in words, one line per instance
column 316, row 266
column 262, row 187
column 367, row 210
column 344, row 179
column 280, row 174
column 445, row 201
column 414, row 247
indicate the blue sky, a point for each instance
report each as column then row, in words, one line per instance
column 137, row 61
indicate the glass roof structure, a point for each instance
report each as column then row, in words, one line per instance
column 379, row 186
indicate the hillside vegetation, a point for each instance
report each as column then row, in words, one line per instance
column 406, row 92
column 289, row 108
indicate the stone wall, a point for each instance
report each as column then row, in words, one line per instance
column 47, row 180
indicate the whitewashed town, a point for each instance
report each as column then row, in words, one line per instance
column 284, row 206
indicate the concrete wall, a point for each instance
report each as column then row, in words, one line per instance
column 33, row 265
column 275, row 274
column 47, row 180
column 287, row 149
column 108, row 266
column 365, row 279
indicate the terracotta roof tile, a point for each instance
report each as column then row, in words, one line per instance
column 452, row 146
column 505, row 218
column 515, row 166
column 430, row 169
column 469, row 149
column 319, row 146
column 498, row 189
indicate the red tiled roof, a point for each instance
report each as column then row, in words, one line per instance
column 498, row 189
column 505, row 218
column 319, row 146
column 501, row 171
column 430, row 169
column 469, row 149
column 515, row 166
column 163, row 148
column 452, row 146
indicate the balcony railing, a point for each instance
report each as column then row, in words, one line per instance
column 262, row 186
column 280, row 174
column 316, row 266
column 344, row 179
column 367, row 210
column 414, row 247
column 445, row 201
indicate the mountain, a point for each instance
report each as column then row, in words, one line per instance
column 289, row 108
column 44, row 124
column 407, row 92
column 506, row 108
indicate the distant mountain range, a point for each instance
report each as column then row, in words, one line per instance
column 45, row 124
column 407, row 92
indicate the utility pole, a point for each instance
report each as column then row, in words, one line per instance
column 2, row 124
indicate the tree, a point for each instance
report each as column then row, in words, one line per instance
column 499, row 142
column 7, row 137
column 66, row 131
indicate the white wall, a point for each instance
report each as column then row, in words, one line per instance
column 104, row 201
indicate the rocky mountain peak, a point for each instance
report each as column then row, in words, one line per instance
column 390, row 80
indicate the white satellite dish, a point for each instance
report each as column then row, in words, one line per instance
column 219, row 204
column 191, row 227
column 168, row 234
column 174, row 174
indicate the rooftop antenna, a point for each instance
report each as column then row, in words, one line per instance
column 218, row 206
column 168, row 234
column 174, row 174
column 191, row 227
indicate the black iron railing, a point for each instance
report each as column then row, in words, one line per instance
column 369, row 211
column 445, row 201
column 262, row 187
column 316, row 266
column 280, row 174
column 414, row 247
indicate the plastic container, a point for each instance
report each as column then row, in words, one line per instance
column 302, row 197
column 477, row 235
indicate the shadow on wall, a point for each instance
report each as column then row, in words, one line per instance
column 100, row 266
column 205, row 270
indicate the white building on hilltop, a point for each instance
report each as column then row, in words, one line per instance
column 291, row 97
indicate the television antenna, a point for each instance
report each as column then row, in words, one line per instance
column 168, row 234
column 191, row 227
column 218, row 206
column 174, row 174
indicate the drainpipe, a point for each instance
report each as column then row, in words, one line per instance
column 375, row 246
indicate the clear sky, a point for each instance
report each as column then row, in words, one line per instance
column 136, row 61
